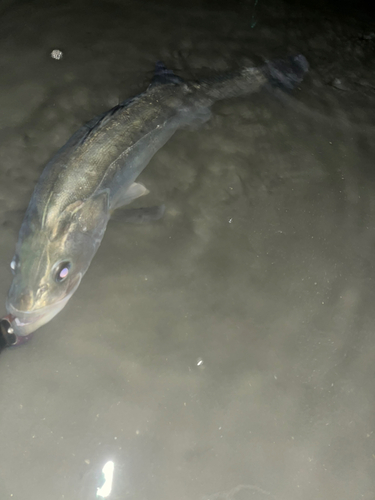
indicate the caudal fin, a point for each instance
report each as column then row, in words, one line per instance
column 163, row 75
column 287, row 73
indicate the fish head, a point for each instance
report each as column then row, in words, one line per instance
column 50, row 260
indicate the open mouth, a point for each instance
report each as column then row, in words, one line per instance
column 26, row 322
column 8, row 337
column 23, row 323
column 31, row 320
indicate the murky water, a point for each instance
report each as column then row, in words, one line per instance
column 226, row 351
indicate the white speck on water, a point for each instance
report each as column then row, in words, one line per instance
column 56, row 54
column 199, row 362
column 230, row 220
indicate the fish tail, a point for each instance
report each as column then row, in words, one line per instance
column 163, row 75
column 284, row 73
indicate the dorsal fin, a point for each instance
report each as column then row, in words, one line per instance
column 92, row 126
column 99, row 121
column 163, row 75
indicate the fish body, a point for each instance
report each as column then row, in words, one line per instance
column 94, row 173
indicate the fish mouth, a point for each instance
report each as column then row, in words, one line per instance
column 26, row 322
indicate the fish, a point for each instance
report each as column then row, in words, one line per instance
column 95, row 173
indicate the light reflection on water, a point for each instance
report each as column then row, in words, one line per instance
column 105, row 490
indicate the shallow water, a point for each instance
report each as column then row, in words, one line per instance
column 226, row 350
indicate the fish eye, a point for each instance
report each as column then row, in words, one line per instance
column 61, row 271
column 14, row 264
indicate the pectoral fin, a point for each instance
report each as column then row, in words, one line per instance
column 131, row 193
column 93, row 212
column 140, row 215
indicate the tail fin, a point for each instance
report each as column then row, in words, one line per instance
column 286, row 73
column 163, row 75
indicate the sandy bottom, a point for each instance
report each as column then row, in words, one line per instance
column 225, row 352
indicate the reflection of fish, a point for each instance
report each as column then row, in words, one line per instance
column 95, row 173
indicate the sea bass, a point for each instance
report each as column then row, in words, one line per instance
column 94, row 173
